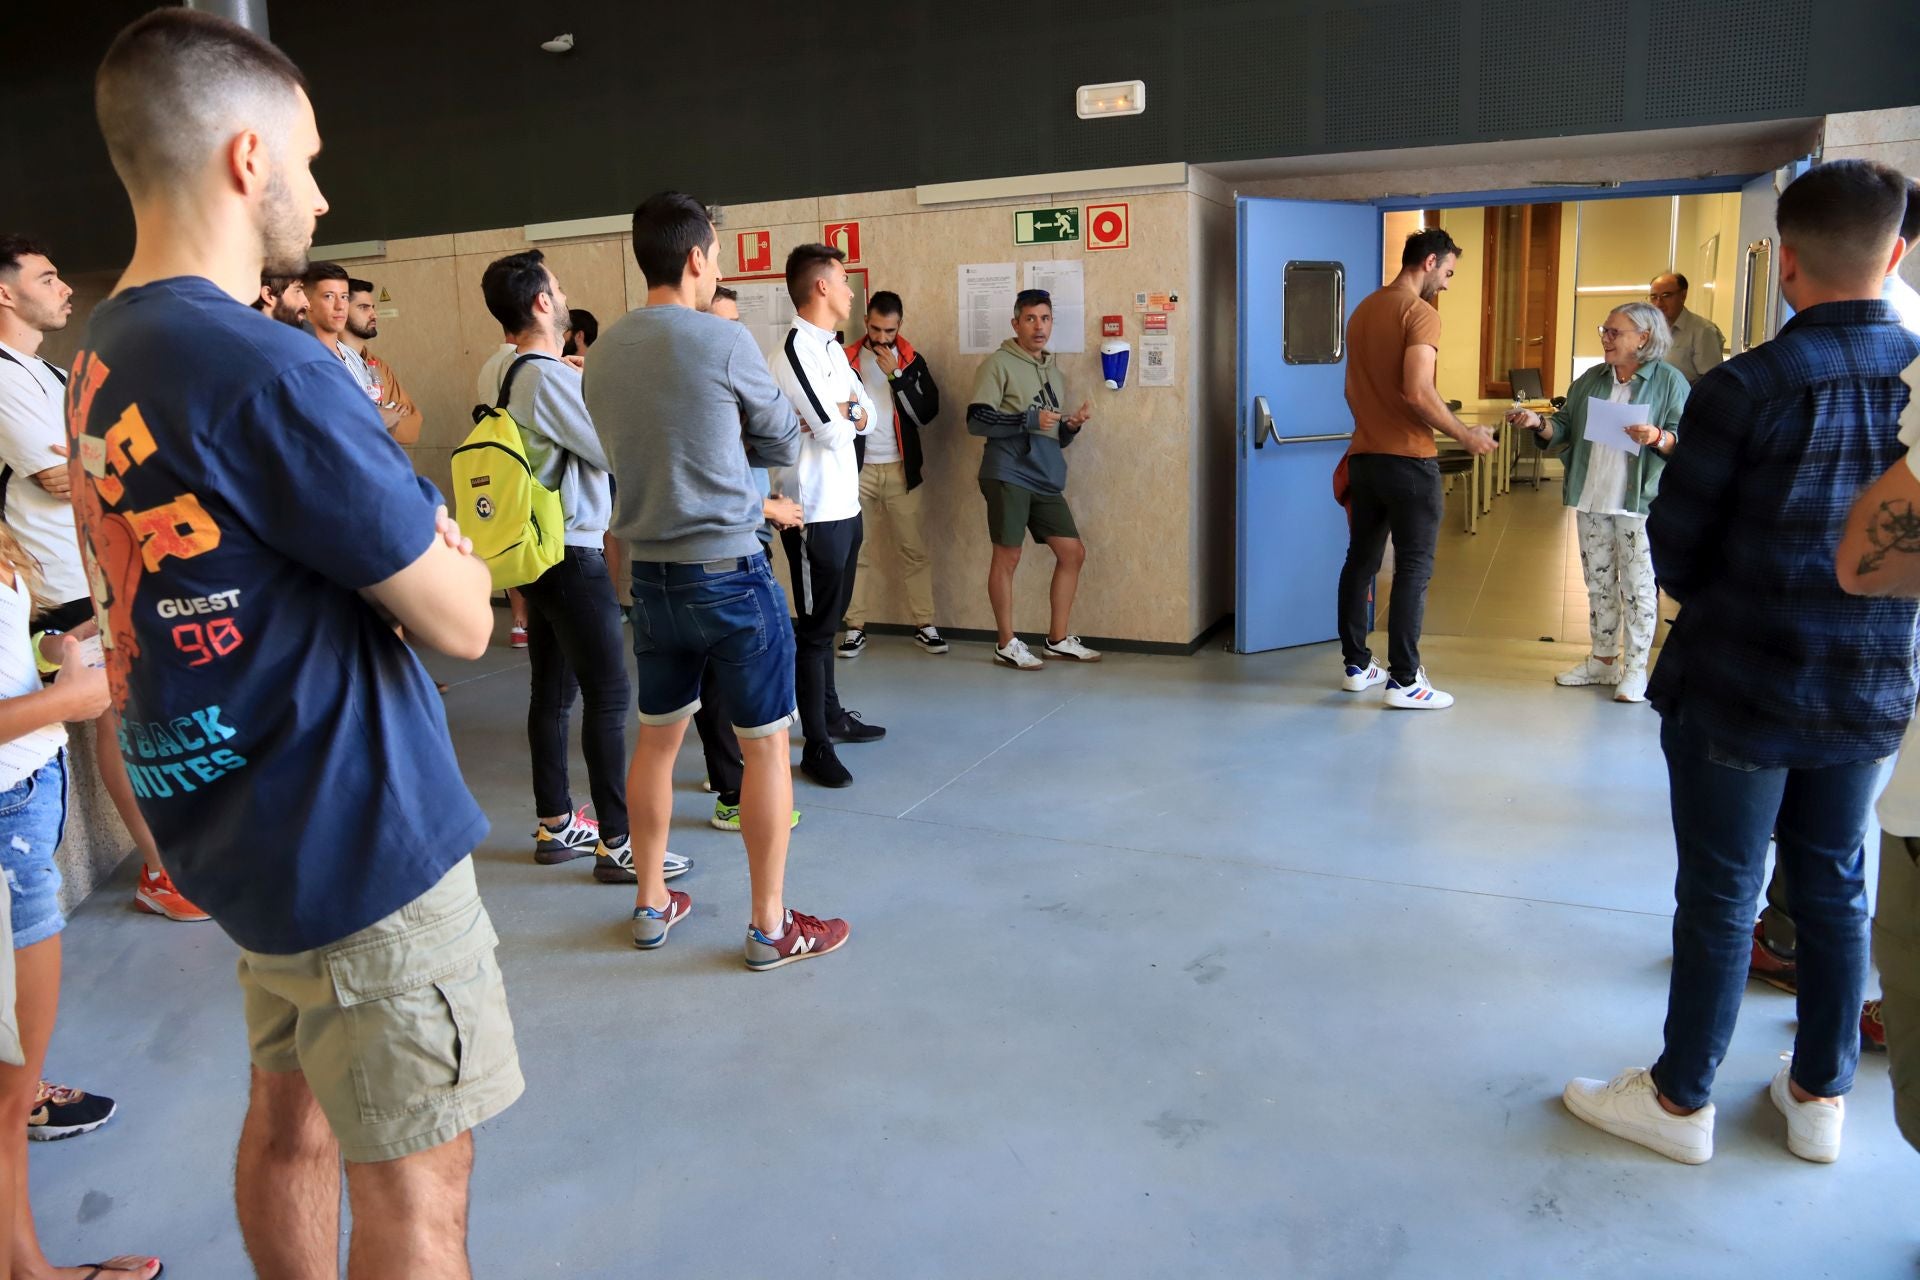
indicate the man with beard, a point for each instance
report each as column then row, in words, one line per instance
column 254, row 537
column 1393, row 347
column 396, row 407
column 284, row 298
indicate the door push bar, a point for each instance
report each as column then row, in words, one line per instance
column 1264, row 430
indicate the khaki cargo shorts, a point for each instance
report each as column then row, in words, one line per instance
column 401, row 1029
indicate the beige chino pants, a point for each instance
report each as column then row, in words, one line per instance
column 884, row 500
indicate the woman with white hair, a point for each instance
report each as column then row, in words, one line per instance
column 1610, row 489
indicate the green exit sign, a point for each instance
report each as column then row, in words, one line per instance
column 1046, row 226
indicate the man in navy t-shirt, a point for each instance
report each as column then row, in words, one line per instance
column 252, row 533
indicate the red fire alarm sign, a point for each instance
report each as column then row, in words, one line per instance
column 1110, row 327
column 1106, row 226
column 756, row 251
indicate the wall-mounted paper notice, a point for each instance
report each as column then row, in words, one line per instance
column 1066, row 280
column 986, row 305
column 1156, row 359
column 1607, row 423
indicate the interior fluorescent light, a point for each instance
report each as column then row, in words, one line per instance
column 1124, row 98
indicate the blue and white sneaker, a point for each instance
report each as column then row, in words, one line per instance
column 1359, row 679
column 1418, row 696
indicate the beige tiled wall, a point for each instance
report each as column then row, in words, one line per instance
column 1891, row 137
column 1133, row 478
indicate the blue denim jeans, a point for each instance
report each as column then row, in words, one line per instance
column 731, row 613
column 33, row 820
column 1724, row 810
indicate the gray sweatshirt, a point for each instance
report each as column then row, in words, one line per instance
column 686, row 408
column 562, row 445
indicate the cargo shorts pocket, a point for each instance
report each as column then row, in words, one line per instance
column 425, row 1013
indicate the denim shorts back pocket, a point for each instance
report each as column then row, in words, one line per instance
column 732, row 620
column 425, row 1013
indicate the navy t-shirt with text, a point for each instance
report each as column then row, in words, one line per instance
column 235, row 490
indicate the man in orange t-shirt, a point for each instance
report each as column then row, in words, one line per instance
column 1393, row 345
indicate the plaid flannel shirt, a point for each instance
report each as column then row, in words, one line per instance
column 1769, row 657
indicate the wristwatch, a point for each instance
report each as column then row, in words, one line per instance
column 855, row 413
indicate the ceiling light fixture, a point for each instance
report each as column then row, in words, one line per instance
column 1122, row 98
column 559, row 44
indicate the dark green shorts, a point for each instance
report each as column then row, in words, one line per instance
column 1012, row 511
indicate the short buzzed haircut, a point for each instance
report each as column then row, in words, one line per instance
column 885, row 303
column 356, row 285
column 806, row 264
column 1429, row 242
column 1840, row 218
column 666, row 228
column 177, row 83
column 15, row 247
column 317, row 272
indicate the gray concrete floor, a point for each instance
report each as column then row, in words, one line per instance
column 1167, row 967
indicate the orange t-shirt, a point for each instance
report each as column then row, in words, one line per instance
column 1381, row 329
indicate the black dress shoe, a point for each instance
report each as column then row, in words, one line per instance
column 851, row 728
column 824, row 767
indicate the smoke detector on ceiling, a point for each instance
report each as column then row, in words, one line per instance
column 559, row 44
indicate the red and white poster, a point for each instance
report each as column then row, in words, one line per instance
column 844, row 236
column 756, row 251
column 1106, row 226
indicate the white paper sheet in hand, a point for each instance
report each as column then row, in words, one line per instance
column 1607, row 423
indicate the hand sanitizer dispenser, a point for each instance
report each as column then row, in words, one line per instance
column 1114, row 354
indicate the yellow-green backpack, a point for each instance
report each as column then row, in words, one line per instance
column 516, row 523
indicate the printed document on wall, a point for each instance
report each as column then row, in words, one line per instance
column 1066, row 280
column 767, row 312
column 986, row 305
column 1156, row 359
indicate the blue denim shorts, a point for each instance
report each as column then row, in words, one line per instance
column 33, row 818
column 728, row 612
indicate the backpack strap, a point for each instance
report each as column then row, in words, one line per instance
column 506, row 383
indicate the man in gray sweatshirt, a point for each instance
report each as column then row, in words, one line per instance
column 1019, row 405
column 675, row 394
column 573, row 617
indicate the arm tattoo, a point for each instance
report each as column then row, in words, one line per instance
column 1895, row 527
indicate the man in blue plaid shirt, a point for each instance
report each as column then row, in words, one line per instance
column 1780, row 695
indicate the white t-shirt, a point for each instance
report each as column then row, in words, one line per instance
column 21, row 758
column 882, row 444
column 1604, row 491
column 486, row 388
column 32, row 413
column 1900, row 802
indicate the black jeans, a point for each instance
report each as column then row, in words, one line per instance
column 823, row 557
column 718, row 743
column 1401, row 496
column 574, row 646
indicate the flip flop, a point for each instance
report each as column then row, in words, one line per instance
column 100, row 1268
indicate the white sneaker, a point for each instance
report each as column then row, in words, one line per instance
column 1418, row 696
column 1633, row 687
column 1628, row 1106
column 1589, row 670
column 1813, row 1128
column 1070, row 648
column 1359, row 679
column 1015, row 654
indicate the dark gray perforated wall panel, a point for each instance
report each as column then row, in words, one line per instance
column 1752, row 62
column 1551, row 65
column 443, row 115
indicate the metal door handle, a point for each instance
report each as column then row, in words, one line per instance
column 1337, row 435
column 1262, row 422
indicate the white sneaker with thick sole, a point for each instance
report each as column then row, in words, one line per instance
column 1418, row 696
column 1070, row 648
column 1589, row 670
column 1813, row 1128
column 1628, row 1106
column 1015, row 654
column 1633, row 687
column 1359, row 679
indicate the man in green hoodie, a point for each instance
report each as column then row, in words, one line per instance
column 1018, row 405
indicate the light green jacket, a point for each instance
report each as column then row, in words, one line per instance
column 1659, row 385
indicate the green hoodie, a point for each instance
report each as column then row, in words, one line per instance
column 1012, row 389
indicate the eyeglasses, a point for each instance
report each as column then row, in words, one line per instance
column 1614, row 335
column 1662, row 297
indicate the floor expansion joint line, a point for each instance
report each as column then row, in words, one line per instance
column 1282, row 870
column 983, row 759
